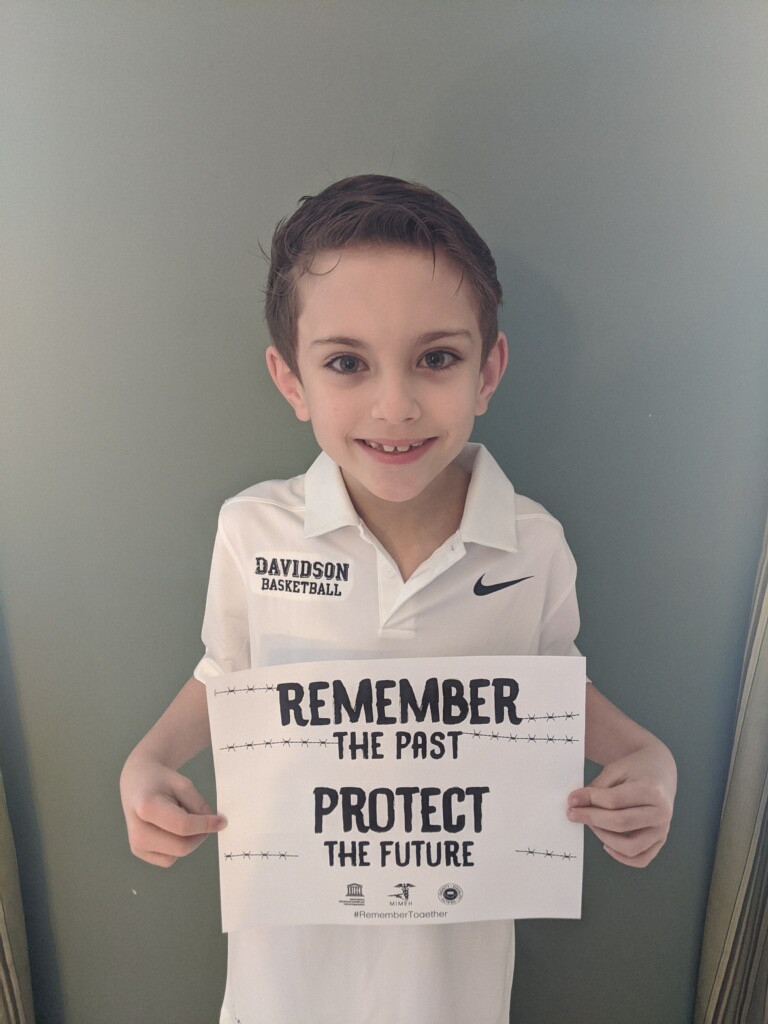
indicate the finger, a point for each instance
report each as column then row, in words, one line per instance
column 148, row 839
column 626, row 819
column 168, row 816
column 159, row 860
column 612, row 788
column 641, row 861
column 611, row 776
column 625, row 794
column 621, row 795
column 185, row 794
column 630, row 844
column 172, row 850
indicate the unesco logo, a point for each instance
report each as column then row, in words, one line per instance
column 355, row 896
column 450, row 893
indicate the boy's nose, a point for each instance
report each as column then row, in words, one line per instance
column 395, row 401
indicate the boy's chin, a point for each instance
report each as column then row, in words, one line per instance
column 361, row 493
column 399, row 494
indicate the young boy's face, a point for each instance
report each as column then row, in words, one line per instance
column 390, row 375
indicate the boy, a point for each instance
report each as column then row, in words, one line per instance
column 382, row 305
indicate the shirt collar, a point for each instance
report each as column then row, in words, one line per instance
column 489, row 511
column 328, row 505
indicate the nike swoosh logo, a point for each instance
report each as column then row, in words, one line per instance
column 481, row 589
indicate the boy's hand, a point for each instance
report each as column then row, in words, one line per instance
column 166, row 816
column 629, row 805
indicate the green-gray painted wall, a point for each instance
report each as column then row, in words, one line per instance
column 614, row 155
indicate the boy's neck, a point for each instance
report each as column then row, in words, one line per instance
column 412, row 531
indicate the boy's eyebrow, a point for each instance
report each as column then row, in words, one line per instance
column 424, row 339
column 430, row 336
column 337, row 339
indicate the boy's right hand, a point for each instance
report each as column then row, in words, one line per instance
column 166, row 816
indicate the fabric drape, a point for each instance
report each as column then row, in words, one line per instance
column 733, row 976
column 15, row 988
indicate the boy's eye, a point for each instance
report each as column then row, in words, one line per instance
column 439, row 359
column 345, row 364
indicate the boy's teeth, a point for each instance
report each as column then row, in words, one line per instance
column 393, row 448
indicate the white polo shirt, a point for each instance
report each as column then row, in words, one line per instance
column 296, row 576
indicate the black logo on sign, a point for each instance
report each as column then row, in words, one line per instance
column 450, row 893
column 355, row 896
column 405, row 891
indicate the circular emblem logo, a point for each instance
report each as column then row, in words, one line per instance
column 450, row 893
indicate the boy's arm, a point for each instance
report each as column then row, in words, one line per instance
column 166, row 816
column 629, row 805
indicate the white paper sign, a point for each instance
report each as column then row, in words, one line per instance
column 408, row 791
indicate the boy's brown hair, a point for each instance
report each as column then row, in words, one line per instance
column 374, row 209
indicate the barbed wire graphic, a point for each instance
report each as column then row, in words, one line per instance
column 547, row 854
column 550, row 716
column 520, row 737
column 284, row 743
column 333, row 744
column 260, row 855
column 510, row 737
column 244, row 689
column 530, row 737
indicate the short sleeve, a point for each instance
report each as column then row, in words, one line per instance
column 225, row 623
column 560, row 621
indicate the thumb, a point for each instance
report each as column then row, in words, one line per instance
column 189, row 799
column 609, row 777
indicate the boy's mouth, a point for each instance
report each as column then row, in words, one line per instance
column 381, row 446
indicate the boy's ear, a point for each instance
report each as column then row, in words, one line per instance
column 491, row 373
column 287, row 383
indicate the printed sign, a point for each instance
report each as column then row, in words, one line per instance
column 407, row 791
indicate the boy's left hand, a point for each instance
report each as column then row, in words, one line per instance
column 629, row 805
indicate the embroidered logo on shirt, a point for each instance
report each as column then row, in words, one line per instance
column 302, row 576
column 481, row 589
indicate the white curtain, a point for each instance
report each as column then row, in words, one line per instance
column 733, row 975
column 15, row 988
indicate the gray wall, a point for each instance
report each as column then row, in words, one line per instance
column 614, row 155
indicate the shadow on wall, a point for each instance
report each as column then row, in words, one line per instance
column 14, row 764
column 525, row 424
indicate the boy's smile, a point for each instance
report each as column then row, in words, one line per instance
column 390, row 376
